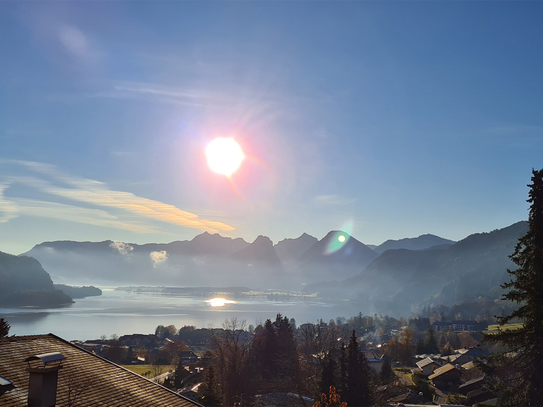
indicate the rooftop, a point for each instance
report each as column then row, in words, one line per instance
column 94, row 381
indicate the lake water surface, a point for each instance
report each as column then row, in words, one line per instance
column 118, row 312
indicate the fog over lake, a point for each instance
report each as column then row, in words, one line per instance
column 120, row 312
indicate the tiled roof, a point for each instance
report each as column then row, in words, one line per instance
column 93, row 380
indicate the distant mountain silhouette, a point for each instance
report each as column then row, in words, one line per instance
column 422, row 242
column 292, row 249
column 337, row 266
column 331, row 259
column 24, row 282
column 330, row 250
column 401, row 279
column 261, row 250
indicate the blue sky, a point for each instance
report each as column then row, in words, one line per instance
column 393, row 118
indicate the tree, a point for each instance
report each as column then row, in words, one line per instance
column 358, row 391
column 517, row 371
column 328, row 375
column 115, row 351
column 331, row 400
column 171, row 351
column 430, row 340
column 179, row 375
column 406, row 348
column 4, row 328
column 231, row 348
column 209, row 395
column 386, row 375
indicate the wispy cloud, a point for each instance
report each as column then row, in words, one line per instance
column 163, row 94
column 54, row 210
column 91, row 192
column 333, row 200
column 8, row 209
column 74, row 40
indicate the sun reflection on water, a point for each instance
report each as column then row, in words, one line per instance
column 219, row 302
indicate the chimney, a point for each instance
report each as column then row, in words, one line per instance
column 42, row 387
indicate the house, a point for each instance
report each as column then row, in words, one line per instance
column 376, row 364
column 463, row 356
column 474, row 384
column 446, row 376
column 441, row 326
column 457, row 326
column 188, row 357
column 47, row 370
column 428, row 366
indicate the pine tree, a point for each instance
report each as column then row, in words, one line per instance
column 430, row 340
column 328, row 375
column 179, row 375
column 517, row 373
column 386, row 375
column 4, row 328
column 358, row 392
column 209, row 395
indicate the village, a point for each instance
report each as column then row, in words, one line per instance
column 429, row 363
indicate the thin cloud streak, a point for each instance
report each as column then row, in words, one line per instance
column 96, row 193
column 96, row 217
column 333, row 200
column 157, row 93
column 8, row 210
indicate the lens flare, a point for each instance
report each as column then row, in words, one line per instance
column 339, row 239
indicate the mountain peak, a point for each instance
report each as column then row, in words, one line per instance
column 422, row 242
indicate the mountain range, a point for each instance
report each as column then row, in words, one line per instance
column 396, row 275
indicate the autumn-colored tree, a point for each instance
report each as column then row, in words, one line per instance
column 172, row 350
column 406, row 347
column 332, row 399
column 447, row 350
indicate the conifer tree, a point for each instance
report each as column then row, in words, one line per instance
column 4, row 328
column 209, row 395
column 517, row 373
column 358, row 392
column 386, row 375
column 328, row 375
column 430, row 340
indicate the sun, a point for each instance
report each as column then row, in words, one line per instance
column 224, row 155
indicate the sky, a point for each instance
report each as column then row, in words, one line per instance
column 388, row 119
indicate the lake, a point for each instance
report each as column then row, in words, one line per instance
column 119, row 312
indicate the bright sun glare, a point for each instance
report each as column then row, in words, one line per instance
column 224, row 155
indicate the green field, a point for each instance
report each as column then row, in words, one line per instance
column 506, row 327
column 143, row 369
